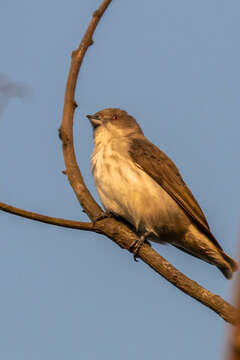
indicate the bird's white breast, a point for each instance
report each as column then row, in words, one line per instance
column 126, row 190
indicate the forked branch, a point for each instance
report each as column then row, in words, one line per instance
column 116, row 230
column 112, row 228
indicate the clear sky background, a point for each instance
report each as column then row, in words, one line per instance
column 174, row 65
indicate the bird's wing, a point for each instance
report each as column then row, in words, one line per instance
column 160, row 167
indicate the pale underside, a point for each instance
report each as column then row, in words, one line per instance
column 126, row 190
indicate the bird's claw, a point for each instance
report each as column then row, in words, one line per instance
column 105, row 215
column 136, row 246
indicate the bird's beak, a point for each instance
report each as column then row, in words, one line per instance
column 95, row 120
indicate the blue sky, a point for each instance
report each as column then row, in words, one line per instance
column 174, row 65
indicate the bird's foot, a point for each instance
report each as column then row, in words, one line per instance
column 105, row 215
column 136, row 246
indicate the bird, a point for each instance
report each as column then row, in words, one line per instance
column 139, row 183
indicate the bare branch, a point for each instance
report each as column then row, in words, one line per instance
column 190, row 287
column 90, row 206
column 47, row 219
column 124, row 237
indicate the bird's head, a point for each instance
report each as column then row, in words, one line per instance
column 116, row 121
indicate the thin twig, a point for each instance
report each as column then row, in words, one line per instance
column 47, row 219
column 90, row 206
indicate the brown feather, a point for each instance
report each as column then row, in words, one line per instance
column 160, row 167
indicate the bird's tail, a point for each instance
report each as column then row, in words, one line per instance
column 228, row 266
column 198, row 244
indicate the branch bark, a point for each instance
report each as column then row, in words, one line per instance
column 47, row 219
column 75, row 178
column 115, row 230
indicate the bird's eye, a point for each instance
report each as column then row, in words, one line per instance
column 115, row 117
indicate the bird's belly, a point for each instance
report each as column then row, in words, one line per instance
column 126, row 190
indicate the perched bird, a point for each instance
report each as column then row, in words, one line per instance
column 137, row 181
